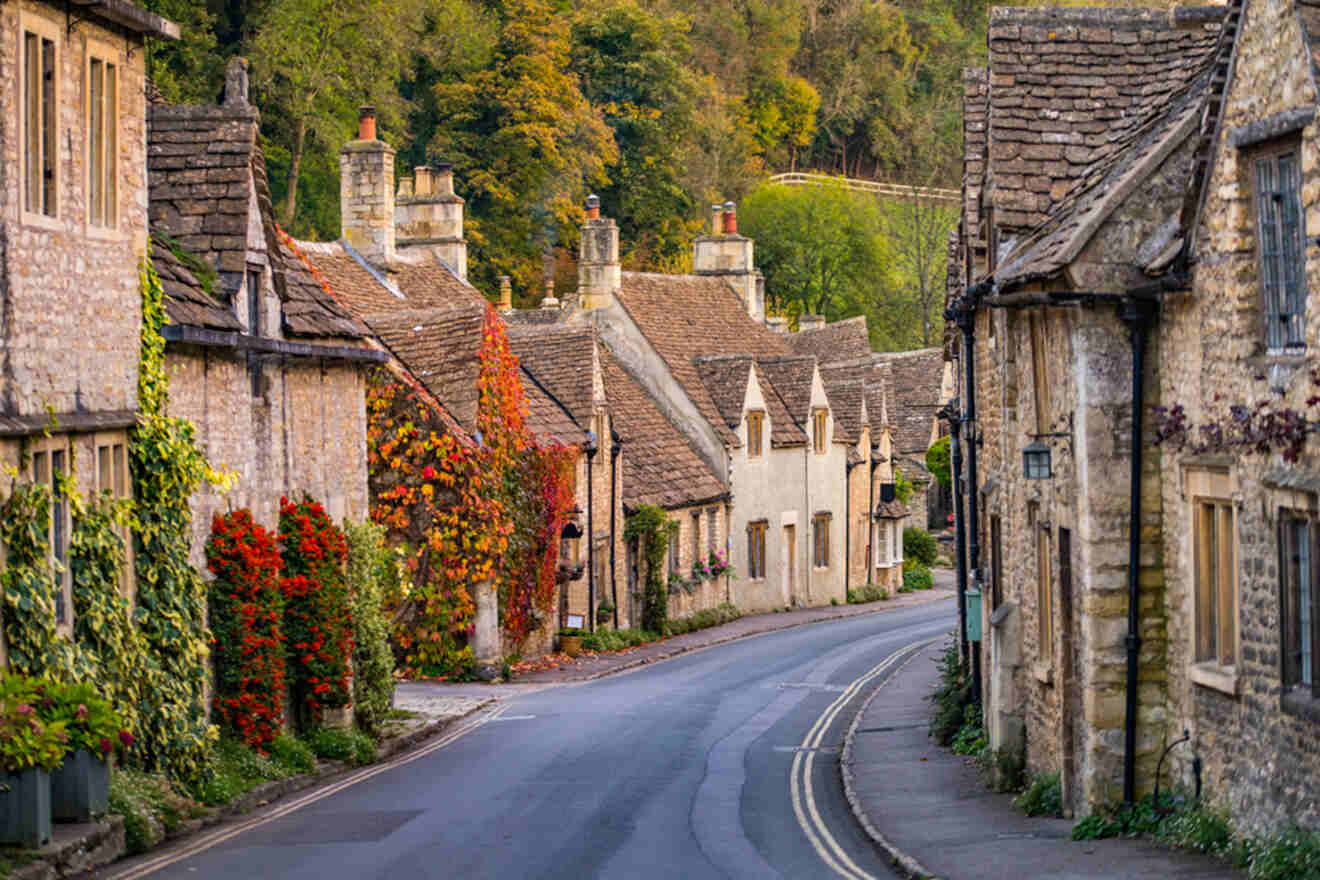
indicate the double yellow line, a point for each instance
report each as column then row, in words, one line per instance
column 219, row 836
column 800, row 790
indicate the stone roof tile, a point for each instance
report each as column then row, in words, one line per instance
column 547, row 418
column 845, row 340
column 186, row 301
column 912, row 396
column 441, row 348
column 561, row 358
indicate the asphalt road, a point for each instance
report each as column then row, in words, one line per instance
column 683, row 769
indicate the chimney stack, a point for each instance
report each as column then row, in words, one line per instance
column 777, row 323
column 810, row 322
column 599, row 273
column 429, row 215
column 506, row 294
column 549, row 301
column 366, row 192
column 729, row 255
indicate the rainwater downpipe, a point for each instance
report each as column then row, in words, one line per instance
column 955, row 454
column 848, row 468
column 966, row 322
column 1137, row 315
column 591, row 539
column 615, row 448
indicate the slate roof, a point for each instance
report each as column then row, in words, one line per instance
column 441, row 348
column 561, row 359
column 205, row 173
column 690, row 316
column 661, row 466
column 186, row 301
column 912, row 396
column 876, row 387
column 725, row 380
column 547, row 419
column 845, row 340
column 845, row 385
column 1073, row 88
column 976, row 96
column 791, row 377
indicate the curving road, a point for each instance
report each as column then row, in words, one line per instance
column 721, row 763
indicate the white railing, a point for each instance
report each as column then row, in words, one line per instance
column 891, row 190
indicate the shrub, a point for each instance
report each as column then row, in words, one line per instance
column 1202, row 829
column 292, row 754
column 951, row 697
column 917, row 577
column 704, row 619
column 235, row 770
column 318, row 621
column 1043, row 796
column 1293, row 854
column 342, row 745
column 371, row 565
column 615, row 639
column 971, row 739
column 938, row 461
column 868, row 593
column 151, row 807
column 920, row 545
column 247, row 611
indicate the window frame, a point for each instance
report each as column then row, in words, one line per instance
column 44, row 450
column 1299, row 620
column 820, row 429
column 107, row 219
column 820, row 540
column 47, row 211
column 755, row 433
column 756, row 534
column 1044, row 588
column 1215, row 627
column 696, row 537
column 673, row 552
column 121, row 488
column 1290, row 338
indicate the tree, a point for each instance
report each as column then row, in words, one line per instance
column 189, row 70
column 526, row 141
column 315, row 61
column 632, row 65
column 919, row 241
column 821, row 248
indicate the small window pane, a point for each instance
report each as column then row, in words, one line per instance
column 111, row 145
column 49, row 140
column 104, row 469
column 96, row 139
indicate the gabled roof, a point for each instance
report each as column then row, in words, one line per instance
column 725, row 378
column 662, row 467
column 206, row 171
column 690, row 316
column 1072, row 88
column 912, row 396
column 791, row 377
column 845, row 385
column 561, row 357
column 414, row 281
column 845, row 340
column 186, row 300
column 441, row 348
column 876, row 386
column 547, row 419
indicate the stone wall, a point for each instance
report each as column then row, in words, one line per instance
column 71, row 312
column 1260, row 760
column 306, row 433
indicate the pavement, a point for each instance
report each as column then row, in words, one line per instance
column 930, row 811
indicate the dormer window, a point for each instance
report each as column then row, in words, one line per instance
column 1280, row 233
column 755, row 421
column 819, row 428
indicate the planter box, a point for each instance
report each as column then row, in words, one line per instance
column 570, row 645
column 80, row 788
column 25, row 808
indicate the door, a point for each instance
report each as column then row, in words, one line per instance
column 790, row 565
column 1070, row 696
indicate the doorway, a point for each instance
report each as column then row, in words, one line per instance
column 790, row 564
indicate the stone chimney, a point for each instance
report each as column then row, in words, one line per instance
column 599, row 273
column 810, row 322
column 777, row 323
column 366, row 192
column 729, row 255
column 506, row 295
column 428, row 214
column 549, row 301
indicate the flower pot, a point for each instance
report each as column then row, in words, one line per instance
column 570, row 645
column 25, row 808
column 80, row 787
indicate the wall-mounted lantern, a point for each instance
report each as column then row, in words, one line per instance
column 1036, row 462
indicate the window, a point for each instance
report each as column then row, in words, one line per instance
column 50, row 461
column 881, row 543
column 254, row 301
column 818, row 429
column 755, row 419
column 102, row 142
column 696, row 538
column 1280, row 232
column 756, row 550
column 1039, row 380
column 673, row 552
column 996, row 563
column 712, row 530
column 1044, row 591
column 820, row 540
column 112, row 477
column 1216, row 581
column 1299, row 604
column 40, row 145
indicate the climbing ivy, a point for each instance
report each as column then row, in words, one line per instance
column 651, row 528
column 167, row 469
column 371, row 565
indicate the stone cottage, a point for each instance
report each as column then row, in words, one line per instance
column 263, row 360
column 1134, row 310
column 73, row 230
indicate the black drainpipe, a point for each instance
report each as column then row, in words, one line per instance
column 870, row 520
column 1137, row 315
column 615, row 449
column 955, row 469
column 591, row 540
column 966, row 316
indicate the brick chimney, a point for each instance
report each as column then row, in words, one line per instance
column 428, row 214
column 599, row 273
column 729, row 255
column 366, row 192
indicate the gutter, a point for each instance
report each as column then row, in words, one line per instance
column 186, row 334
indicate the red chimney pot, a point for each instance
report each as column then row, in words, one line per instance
column 730, row 219
column 366, row 123
column 593, row 207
